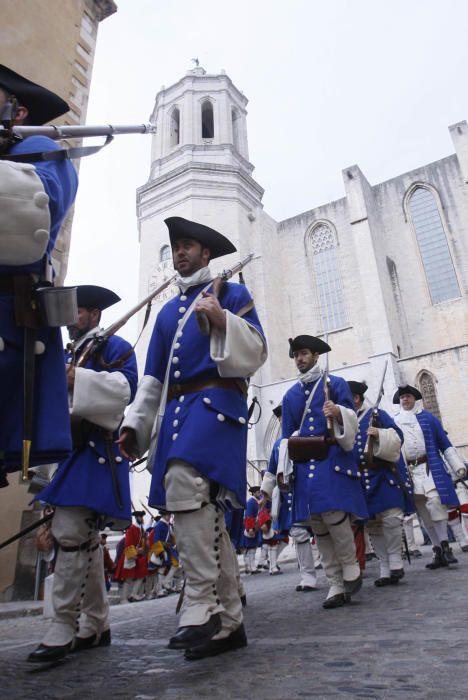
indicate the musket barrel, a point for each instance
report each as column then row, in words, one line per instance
column 78, row 131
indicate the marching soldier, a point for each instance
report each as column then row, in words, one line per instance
column 34, row 200
column 90, row 489
column 425, row 442
column 251, row 538
column 195, row 384
column 326, row 486
column 385, row 480
column 132, row 566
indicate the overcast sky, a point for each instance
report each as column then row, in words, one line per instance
column 330, row 84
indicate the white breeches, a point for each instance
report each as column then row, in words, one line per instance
column 385, row 531
column 335, row 541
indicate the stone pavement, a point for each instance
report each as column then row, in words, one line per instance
column 407, row 641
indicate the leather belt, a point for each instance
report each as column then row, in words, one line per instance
column 79, row 547
column 419, row 460
column 176, row 390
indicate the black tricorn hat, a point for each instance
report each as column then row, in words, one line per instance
column 135, row 513
column 358, row 388
column 407, row 389
column 254, row 489
column 307, row 342
column 90, row 296
column 43, row 104
column 217, row 244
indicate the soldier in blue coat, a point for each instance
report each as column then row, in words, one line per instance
column 251, row 538
column 90, row 489
column 386, row 483
column 327, row 481
column 427, row 451
column 194, row 393
column 34, row 200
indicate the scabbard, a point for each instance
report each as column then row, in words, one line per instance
column 113, row 469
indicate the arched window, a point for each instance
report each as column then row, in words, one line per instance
column 272, row 433
column 207, row 120
column 322, row 242
column 165, row 256
column 427, row 388
column 174, row 128
column 236, row 129
column 433, row 247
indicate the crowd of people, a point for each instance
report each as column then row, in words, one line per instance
column 339, row 465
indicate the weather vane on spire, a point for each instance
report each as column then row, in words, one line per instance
column 196, row 61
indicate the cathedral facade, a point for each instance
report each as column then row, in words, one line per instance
column 382, row 272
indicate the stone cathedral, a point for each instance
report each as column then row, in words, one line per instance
column 382, row 271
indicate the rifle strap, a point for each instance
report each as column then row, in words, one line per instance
column 58, row 155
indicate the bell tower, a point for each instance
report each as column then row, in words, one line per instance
column 200, row 170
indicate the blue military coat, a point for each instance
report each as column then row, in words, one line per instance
column 250, row 517
column 322, row 485
column 381, row 488
column 436, row 441
column 85, row 479
column 51, row 437
column 208, row 428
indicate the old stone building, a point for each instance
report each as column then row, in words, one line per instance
column 52, row 43
column 382, row 271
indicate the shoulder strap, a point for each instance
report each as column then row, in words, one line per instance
column 308, row 402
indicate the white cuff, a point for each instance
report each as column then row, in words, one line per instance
column 268, row 484
column 100, row 397
column 24, row 214
column 240, row 350
column 388, row 445
column 455, row 462
column 142, row 413
column 346, row 434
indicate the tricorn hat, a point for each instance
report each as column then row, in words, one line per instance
column 307, row 342
column 43, row 104
column 358, row 388
column 136, row 513
column 217, row 244
column 90, row 296
column 254, row 489
column 407, row 389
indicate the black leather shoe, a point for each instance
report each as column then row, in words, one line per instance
column 438, row 559
column 44, row 654
column 213, row 647
column 194, row 635
column 336, row 601
column 83, row 643
column 447, row 553
column 305, row 589
column 352, row 587
column 396, row 575
column 243, row 599
column 381, row 582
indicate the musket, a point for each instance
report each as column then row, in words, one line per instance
column 27, row 529
column 326, row 389
column 12, row 134
column 202, row 319
column 96, row 341
column 369, row 447
column 66, row 131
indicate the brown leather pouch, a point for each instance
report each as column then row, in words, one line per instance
column 302, row 449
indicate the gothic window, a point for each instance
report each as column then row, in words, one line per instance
column 433, row 247
column 323, row 244
column 272, row 433
column 235, row 129
column 175, row 127
column 165, row 256
column 427, row 388
column 207, row 120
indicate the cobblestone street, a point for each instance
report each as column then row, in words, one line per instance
column 406, row 641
